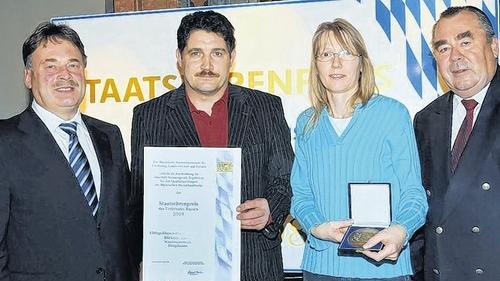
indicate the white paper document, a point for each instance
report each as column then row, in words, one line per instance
column 190, row 228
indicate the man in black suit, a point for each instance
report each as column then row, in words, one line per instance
column 64, row 178
column 208, row 111
column 458, row 138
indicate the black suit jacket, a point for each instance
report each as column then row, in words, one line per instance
column 463, row 225
column 47, row 231
column 258, row 126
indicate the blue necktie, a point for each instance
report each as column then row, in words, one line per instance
column 81, row 167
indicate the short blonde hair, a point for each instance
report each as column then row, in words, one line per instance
column 351, row 40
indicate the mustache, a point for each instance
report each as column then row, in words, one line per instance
column 457, row 66
column 206, row 73
column 66, row 83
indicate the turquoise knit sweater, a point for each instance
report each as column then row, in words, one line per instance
column 378, row 145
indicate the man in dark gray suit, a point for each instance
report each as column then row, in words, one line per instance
column 458, row 138
column 208, row 111
column 64, row 178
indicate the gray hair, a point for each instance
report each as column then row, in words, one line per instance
column 481, row 16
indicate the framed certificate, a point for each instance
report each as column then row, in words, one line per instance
column 370, row 209
column 190, row 228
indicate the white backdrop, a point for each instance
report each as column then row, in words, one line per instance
column 131, row 56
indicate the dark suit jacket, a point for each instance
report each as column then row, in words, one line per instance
column 47, row 231
column 463, row 226
column 258, row 126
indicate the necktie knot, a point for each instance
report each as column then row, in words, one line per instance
column 469, row 104
column 69, row 128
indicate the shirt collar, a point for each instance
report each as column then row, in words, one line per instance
column 479, row 97
column 223, row 100
column 51, row 120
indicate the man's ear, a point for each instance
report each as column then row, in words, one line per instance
column 178, row 55
column 233, row 55
column 494, row 46
column 27, row 78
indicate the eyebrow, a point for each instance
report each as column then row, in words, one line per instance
column 219, row 49
column 55, row 60
column 466, row 34
column 460, row 36
column 201, row 50
column 74, row 60
column 194, row 50
column 49, row 60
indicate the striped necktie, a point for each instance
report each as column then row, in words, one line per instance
column 81, row 167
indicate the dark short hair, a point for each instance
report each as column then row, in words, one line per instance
column 48, row 31
column 481, row 16
column 208, row 21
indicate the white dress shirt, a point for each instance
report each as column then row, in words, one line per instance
column 459, row 112
column 52, row 123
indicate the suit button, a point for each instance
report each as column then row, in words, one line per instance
column 435, row 271
column 479, row 271
column 98, row 227
column 485, row 186
column 475, row 229
column 428, row 192
column 439, row 230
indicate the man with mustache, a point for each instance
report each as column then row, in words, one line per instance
column 206, row 110
column 458, row 138
column 64, row 177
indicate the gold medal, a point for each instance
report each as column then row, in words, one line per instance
column 360, row 236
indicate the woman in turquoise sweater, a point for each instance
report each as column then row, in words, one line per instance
column 352, row 135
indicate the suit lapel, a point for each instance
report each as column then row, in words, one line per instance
column 439, row 135
column 478, row 146
column 440, row 145
column 102, row 147
column 239, row 113
column 181, row 121
column 45, row 151
column 43, row 146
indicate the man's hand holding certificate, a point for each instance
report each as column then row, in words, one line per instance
column 254, row 214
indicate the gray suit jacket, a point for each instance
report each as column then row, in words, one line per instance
column 257, row 125
column 47, row 231
column 463, row 226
